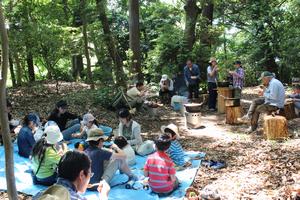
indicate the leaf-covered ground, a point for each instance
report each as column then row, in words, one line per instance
column 256, row 168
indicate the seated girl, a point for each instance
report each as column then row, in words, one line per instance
column 131, row 130
column 46, row 154
column 122, row 143
column 67, row 122
column 88, row 122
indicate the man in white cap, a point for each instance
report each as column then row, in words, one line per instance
column 166, row 86
column 273, row 97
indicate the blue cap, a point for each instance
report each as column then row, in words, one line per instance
column 34, row 118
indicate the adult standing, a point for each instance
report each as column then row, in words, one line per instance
column 273, row 97
column 212, row 76
column 192, row 78
column 238, row 77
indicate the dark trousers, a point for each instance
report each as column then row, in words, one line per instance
column 212, row 98
column 257, row 107
column 44, row 181
column 193, row 89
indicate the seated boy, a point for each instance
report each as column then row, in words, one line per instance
column 295, row 97
column 175, row 151
column 160, row 168
column 122, row 143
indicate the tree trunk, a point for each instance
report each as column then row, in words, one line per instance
column 134, row 38
column 9, row 159
column 86, row 44
column 12, row 72
column 111, row 46
column 191, row 14
column 77, row 66
column 19, row 72
column 30, row 66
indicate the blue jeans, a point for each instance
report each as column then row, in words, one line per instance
column 73, row 127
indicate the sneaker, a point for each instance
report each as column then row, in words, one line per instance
column 250, row 130
column 133, row 177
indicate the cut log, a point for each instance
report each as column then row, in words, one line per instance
column 232, row 114
column 289, row 111
column 223, row 92
column 275, row 127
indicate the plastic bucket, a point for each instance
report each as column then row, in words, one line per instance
column 177, row 106
column 106, row 129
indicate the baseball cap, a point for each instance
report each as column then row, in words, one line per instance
column 34, row 118
column 53, row 134
column 265, row 74
column 95, row 134
column 164, row 77
column 62, row 104
column 237, row 62
column 87, row 118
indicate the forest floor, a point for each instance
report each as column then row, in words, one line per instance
column 256, row 168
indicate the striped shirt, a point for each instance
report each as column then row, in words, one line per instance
column 160, row 167
column 176, row 153
column 238, row 78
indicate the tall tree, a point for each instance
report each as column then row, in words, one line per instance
column 191, row 15
column 9, row 159
column 134, row 37
column 86, row 43
column 111, row 44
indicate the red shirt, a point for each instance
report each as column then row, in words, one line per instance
column 160, row 167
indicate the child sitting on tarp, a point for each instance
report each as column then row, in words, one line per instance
column 175, row 151
column 88, row 122
column 122, row 143
column 160, row 169
column 295, row 97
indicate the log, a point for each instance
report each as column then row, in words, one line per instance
column 223, row 92
column 232, row 114
column 275, row 127
column 289, row 111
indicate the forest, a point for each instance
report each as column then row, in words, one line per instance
column 88, row 56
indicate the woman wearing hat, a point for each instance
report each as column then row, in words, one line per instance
column 131, row 130
column 166, row 86
column 25, row 138
column 45, row 156
column 212, row 76
column 88, row 122
column 238, row 79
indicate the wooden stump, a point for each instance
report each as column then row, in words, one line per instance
column 223, row 92
column 289, row 111
column 275, row 127
column 232, row 114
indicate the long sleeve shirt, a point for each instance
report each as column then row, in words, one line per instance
column 135, row 138
column 188, row 73
column 61, row 120
column 25, row 141
column 238, row 78
column 275, row 94
column 170, row 86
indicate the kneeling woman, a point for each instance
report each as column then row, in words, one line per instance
column 45, row 156
column 131, row 130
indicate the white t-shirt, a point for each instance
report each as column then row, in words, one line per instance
column 128, row 150
column 133, row 93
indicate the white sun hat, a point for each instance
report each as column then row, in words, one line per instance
column 53, row 134
column 172, row 127
column 164, row 77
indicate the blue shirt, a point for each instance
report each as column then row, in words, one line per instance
column 296, row 97
column 67, row 184
column 176, row 153
column 275, row 93
column 25, row 141
column 193, row 72
column 97, row 156
column 211, row 79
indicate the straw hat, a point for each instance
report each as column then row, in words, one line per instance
column 95, row 134
column 212, row 59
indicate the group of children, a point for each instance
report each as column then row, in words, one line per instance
column 44, row 146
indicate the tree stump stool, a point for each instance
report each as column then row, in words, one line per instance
column 289, row 111
column 232, row 114
column 275, row 127
column 223, row 93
